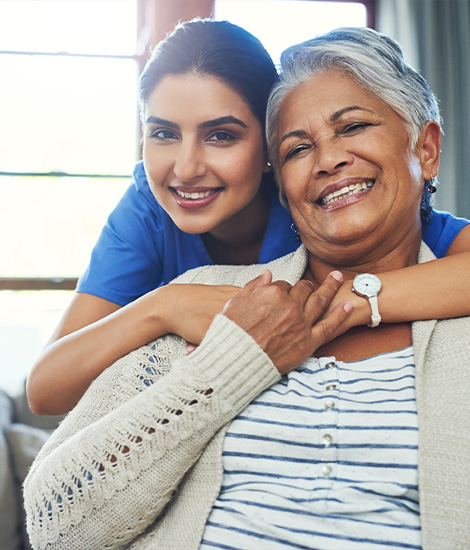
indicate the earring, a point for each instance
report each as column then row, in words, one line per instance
column 268, row 163
column 430, row 187
column 296, row 231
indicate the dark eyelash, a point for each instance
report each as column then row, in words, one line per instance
column 298, row 149
column 356, row 126
column 157, row 134
column 227, row 135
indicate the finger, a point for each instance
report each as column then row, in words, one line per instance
column 319, row 300
column 190, row 348
column 325, row 330
column 301, row 291
column 263, row 279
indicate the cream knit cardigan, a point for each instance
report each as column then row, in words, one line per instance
column 137, row 464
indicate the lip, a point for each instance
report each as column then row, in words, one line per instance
column 347, row 199
column 194, row 204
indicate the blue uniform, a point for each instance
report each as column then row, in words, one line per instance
column 140, row 248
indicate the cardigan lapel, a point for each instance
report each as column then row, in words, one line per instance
column 442, row 382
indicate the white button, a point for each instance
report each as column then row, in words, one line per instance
column 329, row 404
column 331, row 387
column 327, row 440
column 326, row 470
column 330, row 365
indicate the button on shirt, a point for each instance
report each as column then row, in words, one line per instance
column 326, row 458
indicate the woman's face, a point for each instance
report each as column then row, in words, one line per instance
column 203, row 151
column 347, row 169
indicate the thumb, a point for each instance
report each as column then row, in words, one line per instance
column 263, row 279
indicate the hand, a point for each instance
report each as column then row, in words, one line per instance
column 361, row 309
column 192, row 308
column 285, row 320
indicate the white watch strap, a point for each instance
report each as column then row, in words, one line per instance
column 375, row 317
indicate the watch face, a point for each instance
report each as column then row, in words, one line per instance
column 367, row 284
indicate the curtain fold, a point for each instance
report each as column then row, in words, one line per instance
column 435, row 35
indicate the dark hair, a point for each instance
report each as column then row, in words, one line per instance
column 216, row 48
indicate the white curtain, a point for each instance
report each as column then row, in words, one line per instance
column 435, row 35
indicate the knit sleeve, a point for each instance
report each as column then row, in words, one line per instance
column 108, row 471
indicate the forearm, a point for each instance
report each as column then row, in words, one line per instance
column 66, row 367
column 438, row 289
column 130, row 461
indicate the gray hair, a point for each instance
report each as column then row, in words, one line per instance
column 374, row 60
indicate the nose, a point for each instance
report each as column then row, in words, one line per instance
column 331, row 156
column 189, row 162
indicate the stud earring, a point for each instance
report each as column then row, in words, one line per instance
column 268, row 163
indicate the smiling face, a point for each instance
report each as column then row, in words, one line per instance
column 203, row 152
column 347, row 170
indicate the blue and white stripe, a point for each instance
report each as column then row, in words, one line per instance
column 324, row 459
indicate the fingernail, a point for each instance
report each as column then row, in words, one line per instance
column 348, row 306
column 190, row 348
column 337, row 275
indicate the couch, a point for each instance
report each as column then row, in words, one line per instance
column 22, row 434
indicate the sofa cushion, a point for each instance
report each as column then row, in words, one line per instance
column 24, row 415
column 24, row 443
column 9, row 519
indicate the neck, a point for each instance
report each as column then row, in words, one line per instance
column 379, row 260
column 238, row 240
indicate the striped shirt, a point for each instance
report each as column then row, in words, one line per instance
column 324, row 459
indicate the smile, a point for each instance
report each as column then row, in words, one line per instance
column 195, row 195
column 346, row 192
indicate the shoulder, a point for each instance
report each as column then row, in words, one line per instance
column 441, row 230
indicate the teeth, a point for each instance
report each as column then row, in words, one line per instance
column 346, row 191
column 201, row 195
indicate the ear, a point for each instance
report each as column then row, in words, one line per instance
column 429, row 148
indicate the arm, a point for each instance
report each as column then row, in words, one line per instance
column 94, row 333
column 110, row 468
column 137, row 453
column 438, row 289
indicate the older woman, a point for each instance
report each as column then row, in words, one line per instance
column 270, row 434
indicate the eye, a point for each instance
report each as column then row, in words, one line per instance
column 163, row 134
column 221, row 136
column 295, row 151
column 355, row 127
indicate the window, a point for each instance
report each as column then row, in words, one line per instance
column 281, row 23
column 68, row 143
column 69, row 128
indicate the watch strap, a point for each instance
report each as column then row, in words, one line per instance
column 375, row 317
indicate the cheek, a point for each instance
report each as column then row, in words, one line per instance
column 292, row 183
column 243, row 170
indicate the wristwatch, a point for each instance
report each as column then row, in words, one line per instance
column 368, row 285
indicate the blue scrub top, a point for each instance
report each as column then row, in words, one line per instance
column 140, row 248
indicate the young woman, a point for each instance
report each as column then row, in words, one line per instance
column 203, row 95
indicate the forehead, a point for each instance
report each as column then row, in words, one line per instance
column 202, row 96
column 324, row 97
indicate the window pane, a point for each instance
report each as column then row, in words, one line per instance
column 68, row 114
column 280, row 23
column 49, row 225
column 78, row 26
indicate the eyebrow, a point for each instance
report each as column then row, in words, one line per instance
column 202, row 126
column 333, row 118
